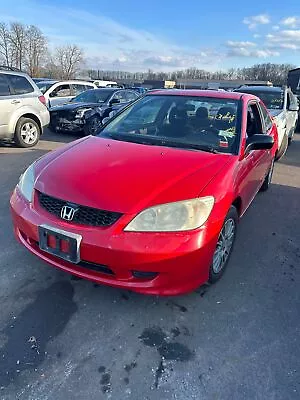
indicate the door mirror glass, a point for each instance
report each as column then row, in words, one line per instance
column 259, row 142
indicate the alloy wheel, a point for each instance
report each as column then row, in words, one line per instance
column 29, row 133
column 224, row 245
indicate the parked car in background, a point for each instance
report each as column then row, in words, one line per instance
column 283, row 106
column 103, row 84
column 152, row 203
column 23, row 111
column 86, row 111
column 60, row 92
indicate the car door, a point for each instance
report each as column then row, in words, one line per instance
column 256, row 162
column 60, row 94
column 292, row 116
column 7, row 105
column 122, row 100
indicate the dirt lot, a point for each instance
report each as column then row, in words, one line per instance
column 63, row 338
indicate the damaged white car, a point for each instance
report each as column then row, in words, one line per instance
column 283, row 106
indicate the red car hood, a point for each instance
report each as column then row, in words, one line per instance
column 125, row 177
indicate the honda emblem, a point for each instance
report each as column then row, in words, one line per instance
column 67, row 213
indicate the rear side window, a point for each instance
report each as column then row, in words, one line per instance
column 79, row 89
column 4, row 88
column 19, row 84
column 266, row 118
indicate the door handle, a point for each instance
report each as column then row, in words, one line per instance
column 16, row 102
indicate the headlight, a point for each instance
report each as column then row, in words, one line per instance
column 26, row 183
column 173, row 217
column 80, row 113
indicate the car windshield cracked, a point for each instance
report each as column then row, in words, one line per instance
column 187, row 122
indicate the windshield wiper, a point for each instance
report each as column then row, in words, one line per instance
column 130, row 138
column 189, row 146
column 158, row 141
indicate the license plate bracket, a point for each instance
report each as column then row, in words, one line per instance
column 58, row 236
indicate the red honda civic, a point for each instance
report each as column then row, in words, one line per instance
column 152, row 202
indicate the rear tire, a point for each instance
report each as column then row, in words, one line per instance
column 27, row 133
column 224, row 245
column 283, row 148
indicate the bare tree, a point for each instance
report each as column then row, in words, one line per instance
column 18, row 40
column 5, row 44
column 68, row 60
column 36, row 49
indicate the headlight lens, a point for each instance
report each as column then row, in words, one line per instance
column 26, row 183
column 173, row 217
column 80, row 113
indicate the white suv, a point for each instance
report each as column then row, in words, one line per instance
column 23, row 111
column 61, row 92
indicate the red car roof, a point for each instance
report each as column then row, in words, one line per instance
column 200, row 93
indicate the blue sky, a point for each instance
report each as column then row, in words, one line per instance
column 137, row 35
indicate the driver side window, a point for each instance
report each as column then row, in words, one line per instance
column 254, row 123
column 61, row 91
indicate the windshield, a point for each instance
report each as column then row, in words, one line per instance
column 272, row 100
column 92, row 96
column 44, row 86
column 196, row 123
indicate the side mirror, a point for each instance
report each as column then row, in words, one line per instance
column 259, row 142
column 293, row 107
column 114, row 101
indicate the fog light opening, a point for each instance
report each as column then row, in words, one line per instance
column 144, row 274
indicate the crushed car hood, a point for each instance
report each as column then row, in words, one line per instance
column 125, row 177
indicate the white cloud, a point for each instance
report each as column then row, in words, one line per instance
column 285, row 39
column 276, row 27
column 231, row 43
column 254, row 21
column 243, row 52
column 291, row 22
column 256, row 36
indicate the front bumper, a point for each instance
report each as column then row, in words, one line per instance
column 109, row 256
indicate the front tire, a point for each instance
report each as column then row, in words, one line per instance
column 27, row 133
column 268, row 179
column 283, row 148
column 92, row 125
column 224, row 246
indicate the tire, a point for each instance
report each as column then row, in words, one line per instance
column 282, row 150
column 224, row 248
column 268, row 179
column 27, row 133
column 290, row 139
column 92, row 125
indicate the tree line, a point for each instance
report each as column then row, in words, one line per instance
column 275, row 73
column 25, row 47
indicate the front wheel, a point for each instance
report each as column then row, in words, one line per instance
column 92, row 125
column 268, row 179
column 27, row 132
column 224, row 246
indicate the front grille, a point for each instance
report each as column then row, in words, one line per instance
column 83, row 216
